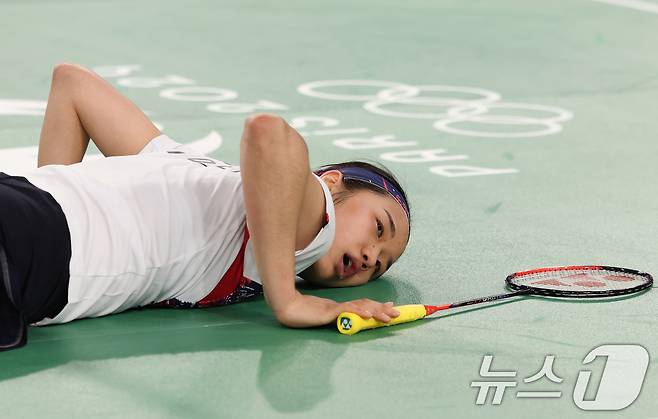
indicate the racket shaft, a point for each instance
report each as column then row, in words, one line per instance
column 350, row 323
column 489, row 298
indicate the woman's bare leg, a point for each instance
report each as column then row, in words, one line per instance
column 63, row 138
column 82, row 105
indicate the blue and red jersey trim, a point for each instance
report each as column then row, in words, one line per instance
column 232, row 288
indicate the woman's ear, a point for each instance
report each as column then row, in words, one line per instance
column 333, row 179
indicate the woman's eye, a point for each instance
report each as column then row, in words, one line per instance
column 380, row 227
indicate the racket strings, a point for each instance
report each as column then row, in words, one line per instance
column 586, row 280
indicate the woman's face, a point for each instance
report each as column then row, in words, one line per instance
column 371, row 233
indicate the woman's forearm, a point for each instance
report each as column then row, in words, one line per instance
column 274, row 166
column 309, row 311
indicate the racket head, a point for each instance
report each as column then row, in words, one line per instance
column 586, row 281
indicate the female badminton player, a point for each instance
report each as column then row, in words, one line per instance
column 157, row 224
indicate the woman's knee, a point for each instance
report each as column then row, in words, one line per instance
column 66, row 72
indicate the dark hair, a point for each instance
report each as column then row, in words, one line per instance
column 353, row 185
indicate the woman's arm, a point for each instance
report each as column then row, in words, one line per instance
column 281, row 198
column 82, row 105
column 274, row 168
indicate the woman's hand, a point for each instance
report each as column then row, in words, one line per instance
column 309, row 311
column 366, row 308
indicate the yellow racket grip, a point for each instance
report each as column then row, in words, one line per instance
column 350, row 323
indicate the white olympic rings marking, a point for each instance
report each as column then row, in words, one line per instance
column 390, row 96
column 477, row 114
column 309, row 89
column 453, row 105
column 198, row 94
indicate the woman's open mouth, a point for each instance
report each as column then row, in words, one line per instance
column 347, row 267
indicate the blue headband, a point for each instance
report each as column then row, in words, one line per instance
column 365, row 175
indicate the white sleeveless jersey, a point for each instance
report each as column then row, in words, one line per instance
column 166, row 226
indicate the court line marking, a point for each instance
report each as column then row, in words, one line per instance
column 18, row 160
column 633, row 4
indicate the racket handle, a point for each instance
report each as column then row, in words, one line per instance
column 350, row 323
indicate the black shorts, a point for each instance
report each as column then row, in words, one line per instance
column 35, row 252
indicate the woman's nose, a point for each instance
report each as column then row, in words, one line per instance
column 369, row 257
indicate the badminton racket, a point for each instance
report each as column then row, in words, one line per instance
column 562, row 282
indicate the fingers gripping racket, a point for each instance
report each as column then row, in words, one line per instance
column 564, row 282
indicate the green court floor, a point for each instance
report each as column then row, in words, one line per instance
column 524, row 132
